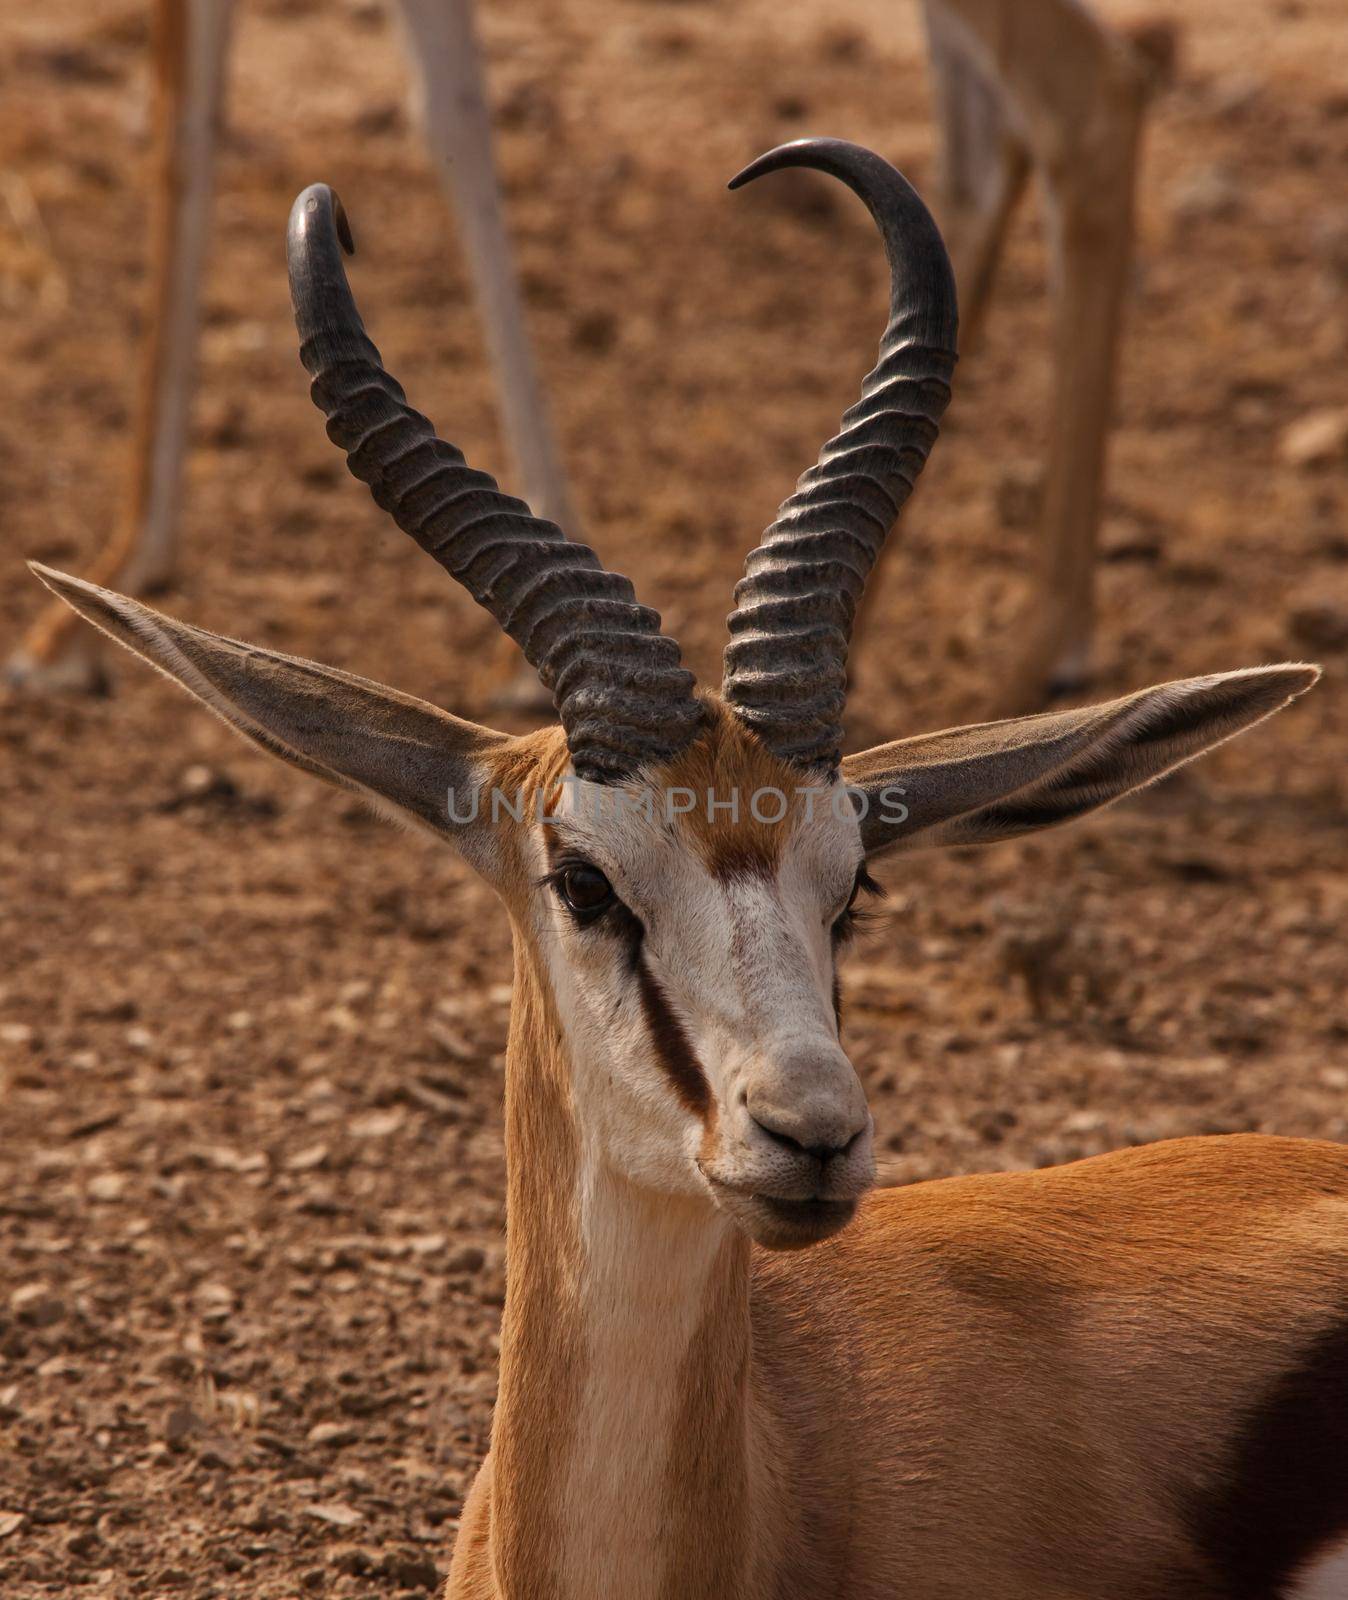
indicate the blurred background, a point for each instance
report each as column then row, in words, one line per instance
column 250, row 1147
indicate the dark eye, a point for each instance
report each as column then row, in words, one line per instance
column 584, row 890
column 852, row 915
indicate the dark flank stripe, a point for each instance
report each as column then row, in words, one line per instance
column 671, row 1043
column 1283, row 1497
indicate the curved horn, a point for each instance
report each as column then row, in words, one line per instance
column 786, row 663
column 623, row 698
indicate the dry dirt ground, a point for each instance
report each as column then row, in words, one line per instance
column 250, row 1038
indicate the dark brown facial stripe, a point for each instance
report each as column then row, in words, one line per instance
column 1283, row 1497
column 671, row 1043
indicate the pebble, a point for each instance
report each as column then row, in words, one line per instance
column 1320, row 625
column 410, row 1570
column 1315, row 439
column 334, row 1513
column 331, row 1433
column 36, row 1307
column 1211, row 194
column 378, row 1124
column 107, row 1186
column 467, row 1258
column 1018, row 495
column 313, row 1155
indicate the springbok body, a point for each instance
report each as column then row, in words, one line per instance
column 1124, row 1377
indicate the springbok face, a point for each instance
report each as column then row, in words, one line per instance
column 682, row 869
column 690, row 923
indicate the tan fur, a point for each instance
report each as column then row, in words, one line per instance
column 539, row 1336
column 729, row 765
column 981, row 1386
column 1022, row 1370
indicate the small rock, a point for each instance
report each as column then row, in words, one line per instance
column 332, row 1433
column 1019, row 495
column 35, row 1307
column 176, row 1365
column 1235, row 95
column 259, row 1517
column 107, row 1186
column 313, row 1155
column 182, row 1422
column 410, row 1569
column 15, row 1033
column 467, row 1258
column 1212, row 194
column 85, row 1544
column 10, row 1522
column 224, row 1158
column 354, row 1561
column 991, row 1123
column 334, row 1513
column 1123, row 539
column 1315, row 439
column 206, row 788
column 1320, row 625
column 223, row 424
column 202, row 780
column 58, row 1367
column 378, row 1124
column 595, row 331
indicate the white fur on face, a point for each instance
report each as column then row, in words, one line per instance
column 745, row 963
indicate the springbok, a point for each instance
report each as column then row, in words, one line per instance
column 1124, row 1377
column 191, row 51
column 1042, row 83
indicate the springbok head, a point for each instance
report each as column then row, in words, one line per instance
column 681, row 868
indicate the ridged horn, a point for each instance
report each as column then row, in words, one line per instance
column 786, row 663
column 623, row 698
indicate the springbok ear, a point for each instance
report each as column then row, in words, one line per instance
column 392, row 748
column 999, row 779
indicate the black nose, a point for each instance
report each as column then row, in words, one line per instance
column 819, row 1152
